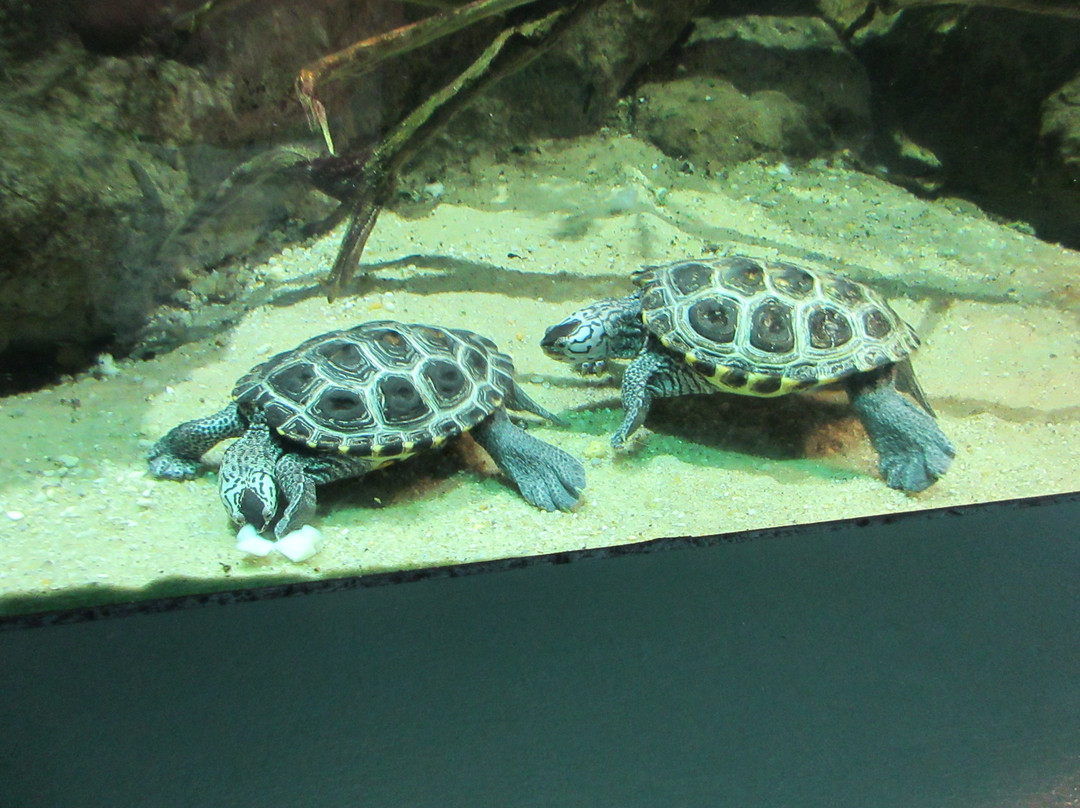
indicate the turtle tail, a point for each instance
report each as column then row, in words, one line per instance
column 907, row 383
column 520, row 401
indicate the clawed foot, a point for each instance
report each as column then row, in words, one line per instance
column 915, row 462
column 633, row 419
column 546, row 476
column 620, row 436
column 913, row 450
column 165, row 466
column 554, row 485
column 594, row 368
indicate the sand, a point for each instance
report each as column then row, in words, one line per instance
column 507, row 249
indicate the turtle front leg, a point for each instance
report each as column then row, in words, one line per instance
column 176, row 456
column 547, row 477
column 912, row 450
column 298, row 489
column 653, row 375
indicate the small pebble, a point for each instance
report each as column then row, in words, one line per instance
column 67, row 461
column 105, row 366
column 596, row 449
column 15, row 516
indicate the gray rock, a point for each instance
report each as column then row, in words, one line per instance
column 572, row 88
column 777, row 85
column 709, row 122
column 801, row 57
column 972, row 87
column 1060, row 131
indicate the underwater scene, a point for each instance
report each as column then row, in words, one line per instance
column 309, row 293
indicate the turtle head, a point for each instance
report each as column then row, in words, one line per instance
column 246, row 481
column 607, row 329
column 254, row 502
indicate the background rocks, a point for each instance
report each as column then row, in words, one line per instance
column 972, row 86
column 143, row 160
column 746, row 86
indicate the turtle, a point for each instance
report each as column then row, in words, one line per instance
column 763, row 328
column 346, row 402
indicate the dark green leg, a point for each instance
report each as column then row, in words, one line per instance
column 176, row 456
column 547, row 477
column 913, row 451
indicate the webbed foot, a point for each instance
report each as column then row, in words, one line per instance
column 546, row 476
column 913, row 451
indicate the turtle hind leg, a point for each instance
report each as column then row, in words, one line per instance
column 176, row 455
column 912, row 450
column 298, row 489
column 547, row 477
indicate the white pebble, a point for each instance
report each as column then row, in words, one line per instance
column 249, row 541
column 106, row 366
column 15, row 516
column 300, row 545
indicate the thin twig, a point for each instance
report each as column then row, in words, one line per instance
column 363, row 56
column 511, row 50
column 197, row 17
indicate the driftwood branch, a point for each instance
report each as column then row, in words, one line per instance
column 368, row 187
column 363, row 56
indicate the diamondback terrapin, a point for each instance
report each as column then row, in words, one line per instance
column 347, row 402
column 761, row 328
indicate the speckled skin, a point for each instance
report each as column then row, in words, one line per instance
column 345, row 403
column 756, row 328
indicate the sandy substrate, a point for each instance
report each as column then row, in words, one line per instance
column 508, row 250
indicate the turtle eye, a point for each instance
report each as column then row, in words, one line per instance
column 555, row 336
column 575, row 340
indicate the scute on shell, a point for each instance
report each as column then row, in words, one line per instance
column 768, row 328
column 382, row 389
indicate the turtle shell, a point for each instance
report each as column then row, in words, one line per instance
column 766, row 328
column 381, row 389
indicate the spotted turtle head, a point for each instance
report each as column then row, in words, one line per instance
column 246, row 480
column 607, row 329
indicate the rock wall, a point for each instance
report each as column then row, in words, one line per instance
column 123, row 129
column 746, row 86
column 983, row 94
